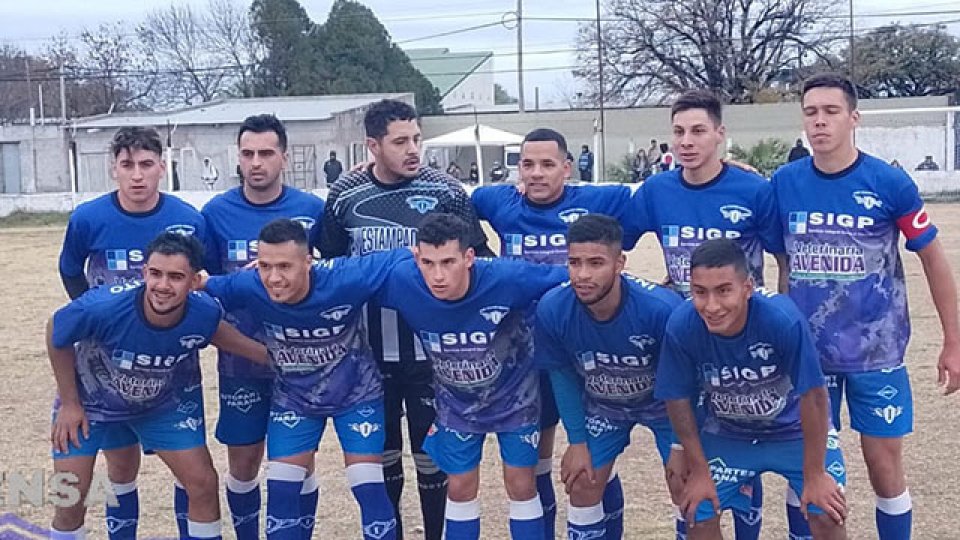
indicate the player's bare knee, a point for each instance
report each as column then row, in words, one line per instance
column 520, row 484
column 587, row 493
column 463, row 487
column 244, row 461
column 123, row 464
column 823, row 527
column 202, row 483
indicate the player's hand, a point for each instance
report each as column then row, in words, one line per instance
column 698, row 488
column 521, row 187
column 202, row 284
column 576, row 462
column 252, row 265
column 741, row 165
column 70, row 423
column 948, row 368
column 362, row 166
column 675, row 472
column 823, row 491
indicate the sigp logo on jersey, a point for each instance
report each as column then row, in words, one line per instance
column 571, row 215
column 337, row 313
column 735, row 213
column 237, row 250
column 642, row 341
column 306, row 222
column 761, row 350
column 192, row 341
column 867, row 199
column 495, row 314
column 182, row 228
column 422, row 203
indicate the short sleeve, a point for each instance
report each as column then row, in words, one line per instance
column 211, row 246
column 532, row 280
column 75, row 321
column 316, row 232
column 334, row 239
column 911, row 216
column 548, row 349
column 483, row 201
column 636, row 220
column 677, row 371
column 76, row 248
column 768, row 220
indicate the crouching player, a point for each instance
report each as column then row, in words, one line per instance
column 311, row 319
column 469, row 316
column 751, row 354
column 599, row 336
column 121, row 356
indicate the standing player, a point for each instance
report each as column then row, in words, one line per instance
column 105, row 243
column 470, row 317
column 752, row 356
column 600, row 336
column 842, row 213
column 707, row 198
column 532, row 226
column 136, row 346
column 379, row 209
column 312, row 322
column 234, row 219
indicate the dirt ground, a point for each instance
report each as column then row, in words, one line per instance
column 32, row 290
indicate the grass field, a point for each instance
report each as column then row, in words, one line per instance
column 32, row 290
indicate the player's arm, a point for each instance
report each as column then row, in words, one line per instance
column 943, row 289
column 229, row 339
column 699, row 485
column 334, row 238
column 71, row 419
column 819, row 488
column 463, row 208
column 73, row 256
column 576, row 462
column 783, row 272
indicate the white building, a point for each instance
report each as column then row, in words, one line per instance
column 464, row 80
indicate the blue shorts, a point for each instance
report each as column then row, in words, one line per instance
column 458, row 452
column 607, row 439
column 178, row 428
column 880, row 402
column 359, row 429
column 244, row 410
column 736, row 463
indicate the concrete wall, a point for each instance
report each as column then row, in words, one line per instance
column 43, row 157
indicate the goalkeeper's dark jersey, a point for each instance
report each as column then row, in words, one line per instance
column 364, row 215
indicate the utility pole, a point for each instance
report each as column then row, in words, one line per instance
column 520, row 56
column 63, row 97
column 603, row 132
column 853, row 50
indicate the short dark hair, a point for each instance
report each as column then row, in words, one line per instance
column 136, row 138
column 699, row 99
column 596, row 229
column 262, row 123
column 171, row 243
column 832, row 80
column 380, row 114
column 547, row 135
column 439, row 228
column 717, row 253
column 283, row 230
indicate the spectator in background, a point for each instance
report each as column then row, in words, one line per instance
column 641, row 166
column 498, row 173
column 585, row 164
column 653, row 155
column 454, row 170
column 667, row 161
column 332, row 168
column 928, row 164
column 473, row 176
column 798, row 151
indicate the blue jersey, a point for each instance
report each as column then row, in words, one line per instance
column 318, row 345
column 616, row 359
column 112, row 242
column 233, row 226
column 480, row 346
column 841, row 232
column 538, row 233
column 127, row 367
column 736, row 204
column 752, row 382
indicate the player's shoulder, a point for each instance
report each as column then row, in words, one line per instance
column 588, row 193
column 496, row 194
column 349, row 182
column 109, row 299
column 684, row 320
column 433, row 179
column 663, row 180
column 223, row 200
column 794, row 171
column 775, row 308
column 203, row 304
column 558, row 297
column 98, row 207
column 882, row 173
column 653, row 295
column 746, row 178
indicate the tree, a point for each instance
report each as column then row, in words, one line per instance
column 654, row 49
column 501, row 96
column 119, row 72
column 765, row 156
column 899, row 61
column 231, row 35
column 291, row 64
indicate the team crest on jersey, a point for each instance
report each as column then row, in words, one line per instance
column 642, row 341
column 422, row 203
column 366, row 411
column 182, row 228
column 735, row 213
column 867, row 199
column 571, row 215
column 761, row 350
column 495, row 314
column 337, row 313
column 305, row 221
column 192, row 341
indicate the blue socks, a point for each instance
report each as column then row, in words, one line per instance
column 122, row 519
column 548, row 498
column 376, row 510
column 462, row 520
column 586, row 522
column 526, row 519
column 181, row 505
column 243, row 498
column 284, row 483
column 747, row 524
column 613, row 507
column 799, row 528
column 895, row 517
column 309, row 495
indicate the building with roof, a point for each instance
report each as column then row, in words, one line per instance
column 464, row 80
column 203, row 139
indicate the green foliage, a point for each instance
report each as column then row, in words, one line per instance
column 898, row 61
column 291, row 66
column 501, row 96
column 765, row 156
column 620, row 171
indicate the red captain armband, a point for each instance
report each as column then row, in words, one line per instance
column 915, row 223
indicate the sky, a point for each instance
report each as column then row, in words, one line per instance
column 549, row 46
